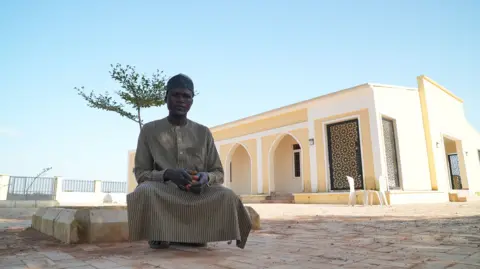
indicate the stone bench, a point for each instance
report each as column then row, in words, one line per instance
column 100, row 224
column 83, row 224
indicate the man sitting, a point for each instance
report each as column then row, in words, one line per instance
column 167, row 207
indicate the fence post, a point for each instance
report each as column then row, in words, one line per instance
column 58, row 188
column 4, row 183
column 98, row 191
column 98, row 186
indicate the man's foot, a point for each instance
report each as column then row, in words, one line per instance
column 197, row 245
column 158, row 244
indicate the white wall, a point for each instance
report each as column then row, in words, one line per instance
column 403, row 105
column 96, row 197
column 89, row 198
column 4, row 182
column 447, row 118
column 472, row 160
column 351, row 100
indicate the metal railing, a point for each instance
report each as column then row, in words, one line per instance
column 31, row 188
column 75, row 185
column 114, row 187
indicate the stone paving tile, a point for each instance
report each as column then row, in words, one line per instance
column 56, row 255
column 464, row 266
column 15, row 218
column 102, row 263
column 292, row 236
column 72, row 263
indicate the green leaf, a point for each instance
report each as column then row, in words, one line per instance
column 137, row 91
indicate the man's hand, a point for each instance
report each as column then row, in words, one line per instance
column 180, row 177
column 200, row 179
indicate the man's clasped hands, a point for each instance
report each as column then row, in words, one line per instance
column 187, row 180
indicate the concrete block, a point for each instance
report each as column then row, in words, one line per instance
column 254, row 217
column 83, row 224
column 49, row 203
column 26, row 204
column 48, row 220
column 252, row 199
column 108, row 225
column 37, row 218
column 456, row 197
column 7, row 204
column 65, row 226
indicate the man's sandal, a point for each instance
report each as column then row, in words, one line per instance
column 159, row 244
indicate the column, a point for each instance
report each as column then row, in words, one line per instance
column 259, row 166
column 59, row 189
column 313, row 155
column 99, row 195
column 4, row 183
column 379, row 163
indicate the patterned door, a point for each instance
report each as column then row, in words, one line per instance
column 455, row 171
column 344, row 154
column 389, row 141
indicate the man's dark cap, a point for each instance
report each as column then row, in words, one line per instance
column 180, row 81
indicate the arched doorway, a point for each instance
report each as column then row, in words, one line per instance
column 286, row 165
column 239, row 170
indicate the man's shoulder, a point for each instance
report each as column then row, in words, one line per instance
column 199, row 126
column 156, row 124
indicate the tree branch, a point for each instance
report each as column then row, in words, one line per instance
column 137, row 91
column 105, row 102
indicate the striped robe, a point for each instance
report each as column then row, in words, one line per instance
column 160, row 211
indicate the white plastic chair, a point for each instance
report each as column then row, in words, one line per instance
column 367, row 194
column 382, row 193
column 370, row 194
column 352, row 199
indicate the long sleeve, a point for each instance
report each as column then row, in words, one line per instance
column 144, row 169
column 213, row 165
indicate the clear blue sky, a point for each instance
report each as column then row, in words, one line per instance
column 245, row 57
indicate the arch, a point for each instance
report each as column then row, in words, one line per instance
column 281, row 165
column 240, row 179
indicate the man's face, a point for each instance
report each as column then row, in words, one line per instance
column 179, row 101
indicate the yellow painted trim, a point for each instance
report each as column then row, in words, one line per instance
column 428, row 135
column 441, row 88
column 267, row 142
column 223, row 152
column 328, row 198
column 273, row 122
column 251, row 148
column 284, row 109
column 302, row 136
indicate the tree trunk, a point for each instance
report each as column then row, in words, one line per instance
column 139, row 119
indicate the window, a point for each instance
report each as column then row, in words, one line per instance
column 230, row 171
column 479, row 155
column 296, row 161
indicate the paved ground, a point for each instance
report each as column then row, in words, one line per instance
column 292, row 236
column 15, row 218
